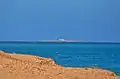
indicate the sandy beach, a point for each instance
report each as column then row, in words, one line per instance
column 19, row 66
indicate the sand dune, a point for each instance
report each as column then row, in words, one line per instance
column 18, row 66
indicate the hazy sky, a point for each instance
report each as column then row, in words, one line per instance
column 85, row 20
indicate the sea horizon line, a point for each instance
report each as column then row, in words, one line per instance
column 54, row 41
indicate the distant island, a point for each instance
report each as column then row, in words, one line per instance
column 58, row 40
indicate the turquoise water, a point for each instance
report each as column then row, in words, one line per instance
column 103, row 55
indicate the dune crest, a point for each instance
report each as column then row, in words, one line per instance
column 19, row 66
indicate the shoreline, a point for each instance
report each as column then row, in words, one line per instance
column 21, row 66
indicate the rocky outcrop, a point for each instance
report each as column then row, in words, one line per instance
column 18, row 66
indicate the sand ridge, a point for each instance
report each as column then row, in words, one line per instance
column 19, row 66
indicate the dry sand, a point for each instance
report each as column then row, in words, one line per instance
column 18, row 66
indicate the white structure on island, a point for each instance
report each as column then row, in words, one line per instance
column 60, row 39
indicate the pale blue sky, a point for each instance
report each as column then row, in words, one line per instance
column 85, row 20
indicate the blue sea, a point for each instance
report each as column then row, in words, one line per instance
column 103, row 55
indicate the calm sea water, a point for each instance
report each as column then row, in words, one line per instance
column 103, row 55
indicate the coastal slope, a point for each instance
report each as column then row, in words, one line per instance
column 19, row 66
